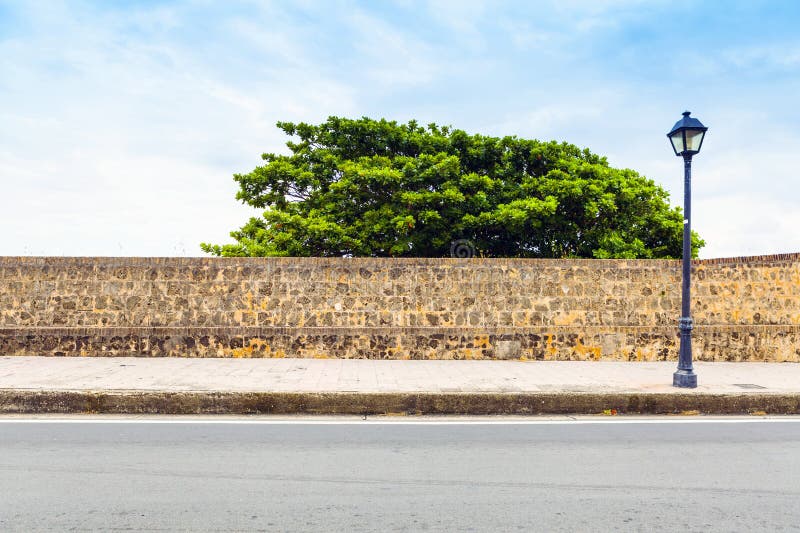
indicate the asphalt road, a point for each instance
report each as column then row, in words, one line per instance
column 365, row 476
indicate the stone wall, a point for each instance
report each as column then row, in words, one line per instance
column 744, row 308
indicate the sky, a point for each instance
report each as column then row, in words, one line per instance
column 122, row 123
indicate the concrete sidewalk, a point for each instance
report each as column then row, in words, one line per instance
column 331, row 386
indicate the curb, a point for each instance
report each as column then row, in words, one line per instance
column 290, row 403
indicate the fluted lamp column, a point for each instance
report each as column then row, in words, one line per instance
column 687, row 139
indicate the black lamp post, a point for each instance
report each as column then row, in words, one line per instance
column 686, row 138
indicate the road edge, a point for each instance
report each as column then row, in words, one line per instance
column 345, row 403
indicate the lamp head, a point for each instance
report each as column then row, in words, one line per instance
column 687, row 135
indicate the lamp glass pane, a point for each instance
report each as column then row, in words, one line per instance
column 693, row 139
column 677, row 141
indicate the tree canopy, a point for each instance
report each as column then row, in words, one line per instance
column 369, row 187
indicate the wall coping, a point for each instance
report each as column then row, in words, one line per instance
column 382, row 261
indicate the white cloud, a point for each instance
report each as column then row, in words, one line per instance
column 782, row 56
column 118, row 145
column 742, row 224
column 387, row 55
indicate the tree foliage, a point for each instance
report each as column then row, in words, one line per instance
column 378, row 188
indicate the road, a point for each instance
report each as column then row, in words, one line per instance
column 444, row 475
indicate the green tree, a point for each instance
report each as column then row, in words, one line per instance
column 378, row 188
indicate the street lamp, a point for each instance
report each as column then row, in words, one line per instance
column 686, row 138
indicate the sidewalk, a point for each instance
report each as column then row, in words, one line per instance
column 355, row 386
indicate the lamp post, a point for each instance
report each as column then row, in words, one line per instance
column 686, row 137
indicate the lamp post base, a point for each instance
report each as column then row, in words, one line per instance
column 685, row 379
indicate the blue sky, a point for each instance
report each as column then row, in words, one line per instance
column 121, row 123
